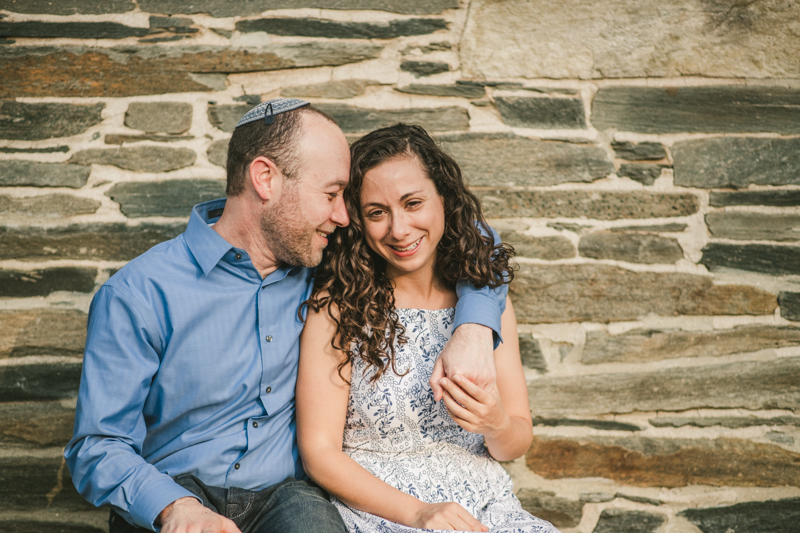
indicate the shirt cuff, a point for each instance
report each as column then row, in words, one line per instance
column 152, row 498
column 480, row 308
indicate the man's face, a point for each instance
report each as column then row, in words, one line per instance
column 311, row 204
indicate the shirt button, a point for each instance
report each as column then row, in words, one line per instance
column 255, row 424
column 269, row 389
column 238, row 256
column 269, row 338
column 236, row 466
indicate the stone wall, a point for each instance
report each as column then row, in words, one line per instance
column 643, row 158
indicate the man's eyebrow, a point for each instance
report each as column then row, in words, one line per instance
column 339, row 183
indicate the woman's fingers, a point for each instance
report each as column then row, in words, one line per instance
column 458, row 394
column 460, row 414
column 470, row 388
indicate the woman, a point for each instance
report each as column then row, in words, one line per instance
column 369, row 430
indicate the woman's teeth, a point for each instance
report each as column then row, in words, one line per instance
column 409, row 247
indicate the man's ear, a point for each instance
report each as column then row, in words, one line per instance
column 265, row 177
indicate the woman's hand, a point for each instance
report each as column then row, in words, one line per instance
column 473, row 408
column 448, row 515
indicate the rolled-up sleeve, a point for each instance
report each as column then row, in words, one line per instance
column 104, row 455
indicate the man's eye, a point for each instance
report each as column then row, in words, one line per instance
column 333, row 195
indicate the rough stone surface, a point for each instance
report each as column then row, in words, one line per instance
column 46, row 206
column 67, row 7
column 104, row 242
column 138, row 158
column 41, row 332
column 602, row 293
column 170, row 22
column 763, row 258
column 642, row 172
column 619, row 521
column 310, row 27
column 70, row 30
column 641, row 461
column 424, row 68
column 218, row 152
column 152, row 117
column 35, row 526
column 601, row 205
column 790, row 305
column 723, row 109
column 458, row 91
column 340, row 89
column 114, row 138
column 604, row 425
column 357, row 119
column 39, row 382
column 641, row 345
column 660, row 228
column 633, row 248
column 746, row 226
column 173, row 198
column 243, row 8
column 563, row 113
column 771, row 384
column 19, row 173
column 25, row 483
column 773, row 516
column 736, row 162
column 47, row 150
column 22, row 284
column 561, row 512
column 547, row 248
column 225, row 117
column 492, row 160
column 774, row 198
column 113, row 72
column 644, row 151
column 734, row 422
column 35, row 423
column 33, row 122
column 531, row 353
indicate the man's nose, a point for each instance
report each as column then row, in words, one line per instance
column 339, row 215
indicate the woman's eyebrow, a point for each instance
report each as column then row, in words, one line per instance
column 406, row 195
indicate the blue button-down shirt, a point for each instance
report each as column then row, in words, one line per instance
column 190, row 368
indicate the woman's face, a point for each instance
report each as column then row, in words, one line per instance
column 403, row 215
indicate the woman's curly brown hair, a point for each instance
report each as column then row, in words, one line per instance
column 354, row 277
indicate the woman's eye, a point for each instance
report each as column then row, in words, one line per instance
column 375, row 214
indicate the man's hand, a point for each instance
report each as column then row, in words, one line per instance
column 187, row 515
column 469, row 353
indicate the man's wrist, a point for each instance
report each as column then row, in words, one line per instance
column 165, row 513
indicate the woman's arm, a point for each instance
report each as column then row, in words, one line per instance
column 501, row 414
column 322, row 397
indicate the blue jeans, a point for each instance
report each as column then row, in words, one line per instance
column 291, row 506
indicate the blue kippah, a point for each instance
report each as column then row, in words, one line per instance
column 266, row 110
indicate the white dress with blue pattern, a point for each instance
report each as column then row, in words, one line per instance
column 397, row 432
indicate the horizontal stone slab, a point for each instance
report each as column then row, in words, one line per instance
column 644, row 151
column 358, row 119
column 39, row 331
column 747, row 226
column 172, row 198
column 34, row 29
column 547, row 248
column 707, row 109
column 67, row 7
column 125, row 71
column 104, row 242
column 27, row 283
column 19, row 173
column 603, row 425
column 641, row 345
column 332, row 29
column 576, row 40
column 598, row 204
column 766, row 516
column 644, row 173
column 773, row 260
column 633, row 248
column 561, row 512
column 424, row 68
column 543, row 113
column 649, row 462
column 458, row 91
column 340, row 89
column 36, row 423
column 33, row 122
column 114, row 138
column 243, row 8
column 790, row 305
column 63, row 149
column 138, row 158
column 500, row 160
column 736, row 162
column 531, row 353
column 47, row 206
column 37, row 526
column 655, row 228
column 225, row 117
column 774, row 198
column 39, row 382
column 28, row 480
column 151, row 117
column 603, row 293
column 619, row 521
column 773, row 384
column 218, row 152
column 734, row 422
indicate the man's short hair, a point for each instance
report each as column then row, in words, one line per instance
column 276, row 141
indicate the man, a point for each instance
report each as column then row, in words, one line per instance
column 185, row 417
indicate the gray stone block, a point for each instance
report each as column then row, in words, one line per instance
column 41, row 331
column 734, row 422
column 547, row 248
column 543, row 113
column 34, row 29
column 633, row 248
column 152, row 117
column 708, row 109
column 114, row 138
column 790, row 305
column 618, row 521
column 26, row 479
column 40, row 382
column 747, row 226
column 774, row 198
column 138, row 158
column 531, row 353
column 63, row 149
column 244, row 8
column 656, row 228
column 36, row 526
column 603, row 425
column 218, row 152
column 357, row 119
column 67, row 7
column 33, row 122
column 644, row 173
column 736, row 162
column 457, row 91
column 19, row 173
column 764, row 258
column 225, row 117
column 173, row 198
column 340, row 89
column 47, row 206
column 36, row 423
column 510, row 160
column 171, row 22
column 331, row 29
column 773, row 516
column 424, row 68
column 561, row 512
column 644, row 151
column 27, row 283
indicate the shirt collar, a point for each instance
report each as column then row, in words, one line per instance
column 207, row 246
